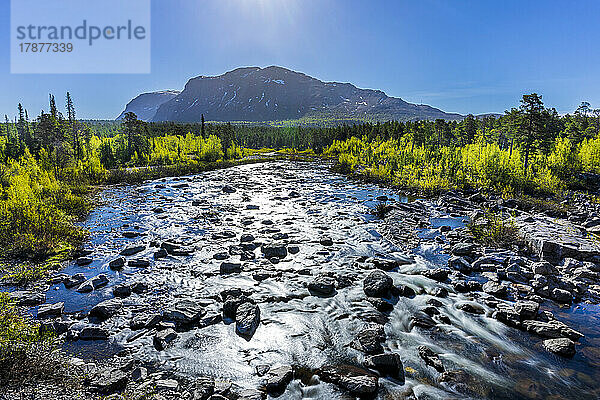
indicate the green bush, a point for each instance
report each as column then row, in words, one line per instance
column 25, row 353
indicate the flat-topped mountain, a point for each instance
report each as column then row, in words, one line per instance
column 256, row 94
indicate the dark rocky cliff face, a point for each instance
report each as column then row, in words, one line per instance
column 275, row 94
column 146, row 104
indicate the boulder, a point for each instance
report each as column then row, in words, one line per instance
column 293, row 249
column 326, row 241
column 131, row 250
column 109, row 381
column 106, row 309
column 460, row 264
column 322, row 286
column 83, row 261
column 139, row 287
column 90, row 332
column 431, row 358
column 230, row 268
column 544, row 268
column 464, row 249
column 369, row 339
column 357, row 381
column 278, row 379
column 562, row 296
column 160, row 253
column 552, row 329
column 437, row 274
column 139, row 374
column 184, row 312
column 74, row 280
column 247, row 319
column 27, row 298
column 471, row 307
column 495, row 289
column 377, row 284
column 51, row 310
column 162, row 338
column 139, row 263
column 561, row 346
column 117, row 264
column 246, row 238
column 145, row 320
column 422, row 320
column 388, row 364
column 167, row 384
column 123, row 290
column 274, row 250
column 526, row 309
column 384, row 264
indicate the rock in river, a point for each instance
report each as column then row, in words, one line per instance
column 139, row 263
column 92, row 284
column 247, row 319
column 561, row 346
column 551, row 329
column 369, row 339
column 51, row 310
column 26, row 298
column 377, row 284
column 322, row 286
column 93, row 333
column 106, row 309
column 274, row 250
column 387, row 364
column 184, row 312
column 431, row 358
column 162, row 338
column 230, row 268
column 357, row 381
column 495, row 289
column 278, row 379
column 117, row 264
column 129, row 251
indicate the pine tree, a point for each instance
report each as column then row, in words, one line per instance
column 532, row 120
column 72, row 124
column 53, row 110
column 202, row 126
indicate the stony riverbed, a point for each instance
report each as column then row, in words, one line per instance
column 278, row 280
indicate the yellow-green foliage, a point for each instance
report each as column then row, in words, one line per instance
column 36, row 210
column 479, row 164
column 589, row 154
column 169, row 150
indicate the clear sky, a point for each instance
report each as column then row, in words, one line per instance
column 461, row 56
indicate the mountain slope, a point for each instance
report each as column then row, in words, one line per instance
column 254, row 94
column 146, row 104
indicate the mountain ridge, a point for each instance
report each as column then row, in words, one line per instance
column 254, row 94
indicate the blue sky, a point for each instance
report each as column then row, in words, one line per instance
column 462, row 56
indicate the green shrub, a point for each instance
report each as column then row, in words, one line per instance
column 494, row 230
column 25, row 353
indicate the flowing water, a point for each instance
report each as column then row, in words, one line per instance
column 298, row 328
